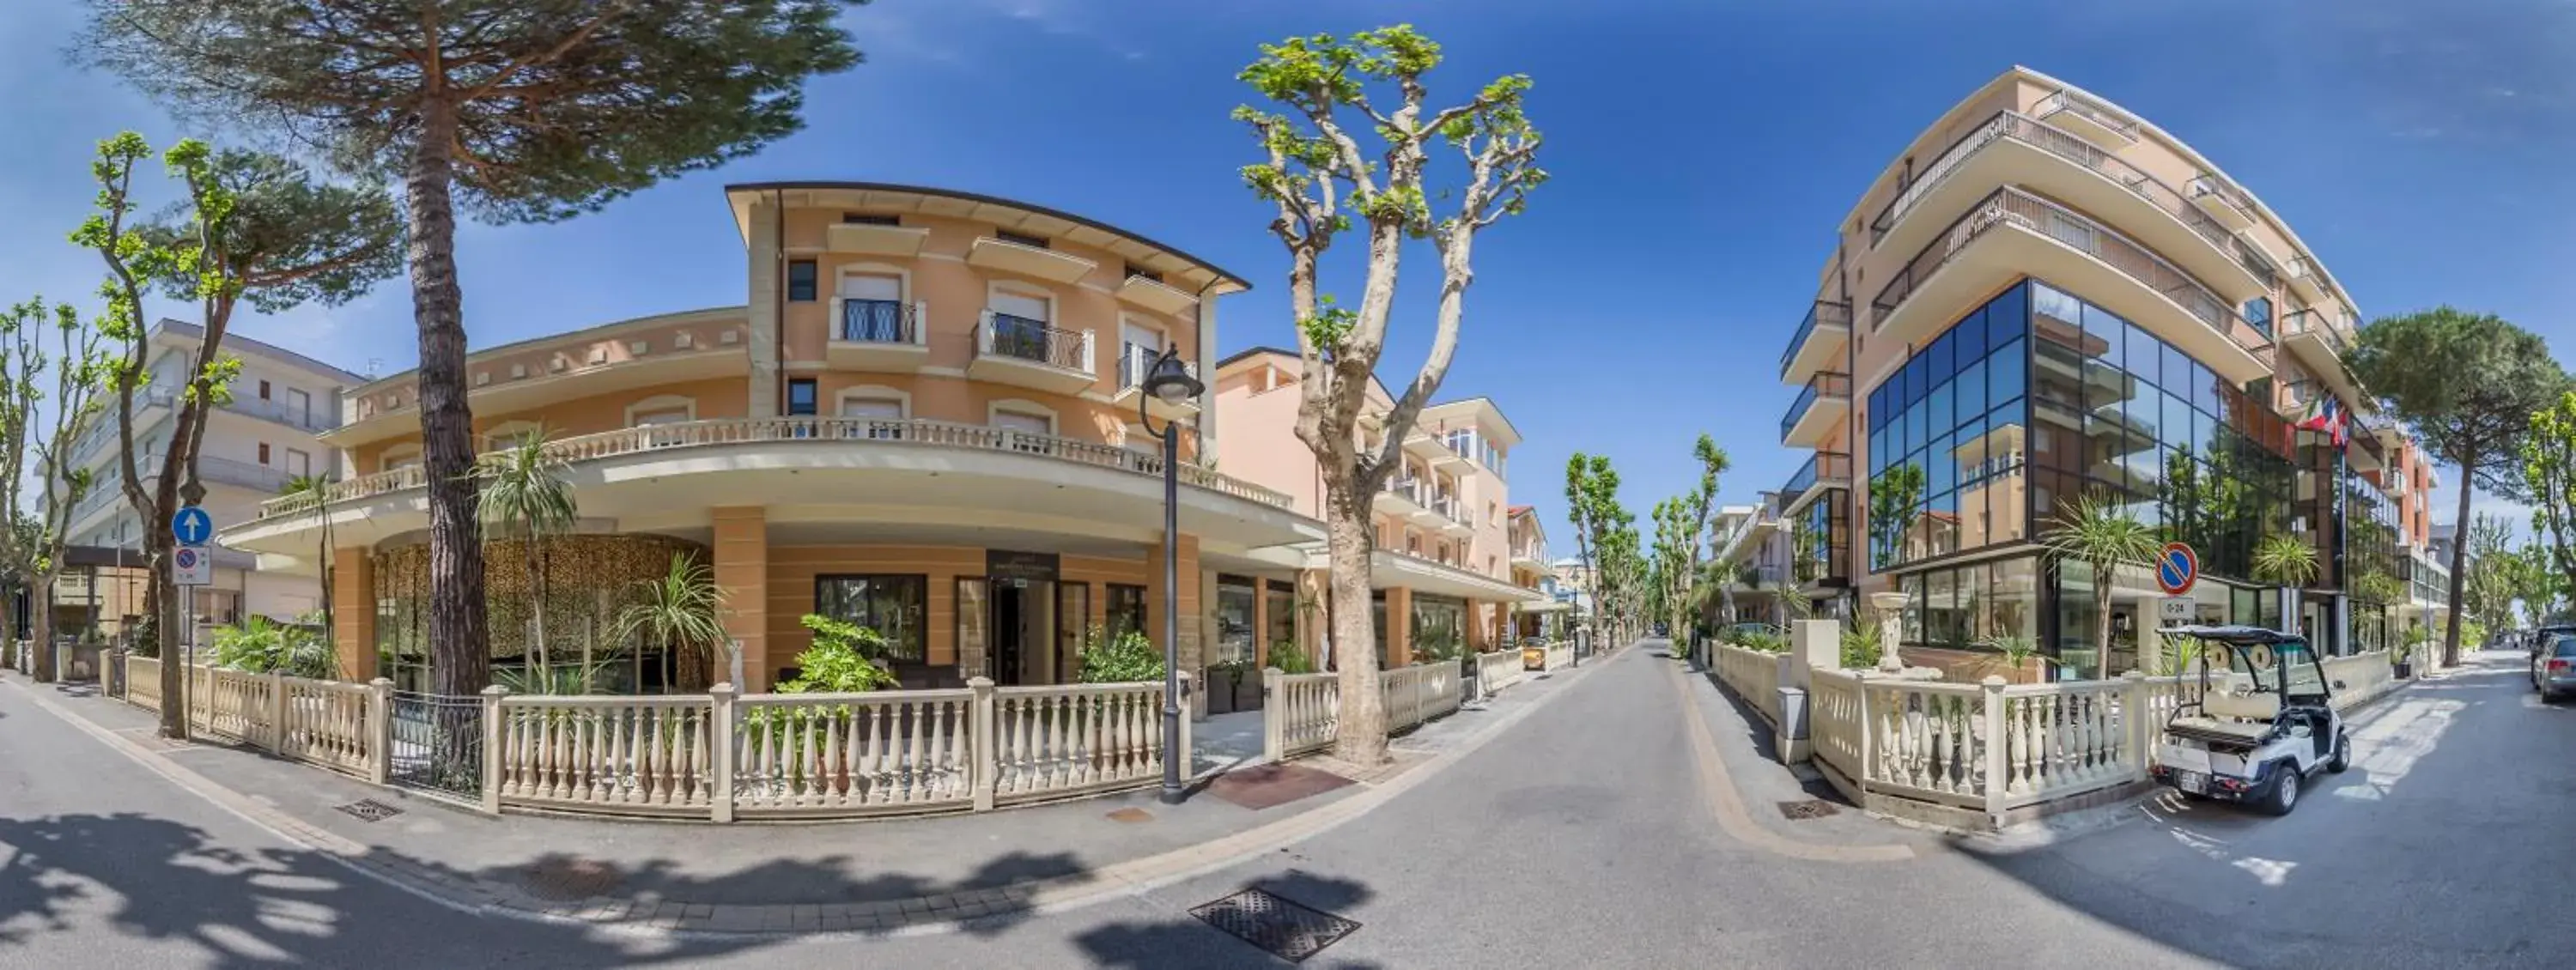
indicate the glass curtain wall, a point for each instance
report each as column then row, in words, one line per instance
column 1946, row 434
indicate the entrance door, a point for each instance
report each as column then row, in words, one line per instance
column 1024, row 634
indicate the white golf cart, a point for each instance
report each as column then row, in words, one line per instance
column 2263, row 724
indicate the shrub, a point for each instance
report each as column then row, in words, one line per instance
column 1762, row 640
column 1861, row 648
column 846, row 658
column 1125, row 659
column 1290, row 658
column 261, row 646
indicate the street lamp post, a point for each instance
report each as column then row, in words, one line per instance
column 1170, row 381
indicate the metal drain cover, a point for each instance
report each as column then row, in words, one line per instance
column 1290, row 930
column 369, row 810
column 571, row 877
column 1811, row 808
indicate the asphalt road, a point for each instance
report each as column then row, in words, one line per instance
column 1585, row 835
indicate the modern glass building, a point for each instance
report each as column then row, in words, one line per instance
column 2047, row 298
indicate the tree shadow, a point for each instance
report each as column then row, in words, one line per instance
column 67, row 881
column 1186, row 941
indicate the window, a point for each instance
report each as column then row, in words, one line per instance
column 800, row 280
column 1024, row 422
column 648, row 417
column 870, row 219
column 1138, row 346
column 1141, row 273
column 872, row 309
column 1005, row 235
column 299, row 405
column 894, row 606
column 398, row 458
column 1461, row 442
column 800, row 396
column 263, row 390
column 1126, row 609
column 298, row 463
column 2258, row 311
column 263, row 452
column 880, row 415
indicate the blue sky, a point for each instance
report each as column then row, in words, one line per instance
column 1701, row 151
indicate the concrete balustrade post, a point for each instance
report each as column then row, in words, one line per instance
column 986, row 716
column 380, row 730
column 1998, row 766
column 276, row 736
column 1274, row 714
column 720, row 725
column 1868, row 731
column 492, row 747
column 2134, row 715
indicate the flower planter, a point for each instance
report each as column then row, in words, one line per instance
column 1220, row 687
column 1247, row 692
column 2402, row 669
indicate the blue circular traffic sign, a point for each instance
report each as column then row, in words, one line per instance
column 2177, row 567
column 192, row 526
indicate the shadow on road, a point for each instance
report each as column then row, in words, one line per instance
column 154, row 879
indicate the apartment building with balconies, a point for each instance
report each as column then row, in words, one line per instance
column 256, row 440
column 1445, row 557
column 922, row 418
column 2045, row 297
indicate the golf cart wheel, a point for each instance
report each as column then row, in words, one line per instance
column 2284, row 795
column 2342, row 754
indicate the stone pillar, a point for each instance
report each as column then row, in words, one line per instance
column 742, row 574
column 1260, row 622
column 1397, row 651
column 353, row 614
column 766, row 315
column 1890, row 610
column 1815, row 644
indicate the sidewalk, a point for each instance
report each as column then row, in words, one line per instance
column 882, row 876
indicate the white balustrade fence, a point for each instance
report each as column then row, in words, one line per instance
column 612, row 755
column 1754, row 676
column 854, row 754
column 1053, row 742
column 336, row 725
column 1497, row 670
column 1418, row 693
column 1560, row 654
column 1300, row 710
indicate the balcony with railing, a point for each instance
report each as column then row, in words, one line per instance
column 1819, row 340
column 885, row 336
column 1820, row 407
column 1029, row 353
column 2321, row 343
column 1400, row 497
column 1825, row 471
column 2012, row 149
column 2309, row 278
column 950, row 472
column 1134, row 363
column 2215, row 195
column 2097, row 122
column 2012, row 233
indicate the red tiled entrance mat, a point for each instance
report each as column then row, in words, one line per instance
column 1267, row 785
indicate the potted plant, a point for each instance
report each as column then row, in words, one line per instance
column 2401, row 655
column 2017, row 652
column 1221, row 681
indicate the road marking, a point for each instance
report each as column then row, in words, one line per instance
column 1728, row 804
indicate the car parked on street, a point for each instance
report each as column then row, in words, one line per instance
column 2553, row 667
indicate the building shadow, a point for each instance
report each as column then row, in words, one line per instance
column 71, row 880
column 1183, row 940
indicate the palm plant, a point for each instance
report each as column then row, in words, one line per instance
column 677, row 611
column 525, row 494
column 2016, row 650
column 311, row 492
column 2285, row 558
column 2098, row 531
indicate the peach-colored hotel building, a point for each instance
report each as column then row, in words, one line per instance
column 924, row 418
column 2045, row 296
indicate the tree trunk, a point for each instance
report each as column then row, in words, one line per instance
column 537, row 581
column 459, row 646
column 2459, row 569
column 1360, row 732
column 40, row 615
column 42, row 640
column 2102, row 617
column 329, row 630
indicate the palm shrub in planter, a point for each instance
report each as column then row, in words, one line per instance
column 1223, row 682
column 1860, row 645
column 1290, row 658
column 2401, row 656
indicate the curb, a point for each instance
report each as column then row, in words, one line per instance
column 926, row 915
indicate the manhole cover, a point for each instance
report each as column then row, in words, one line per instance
column 1811, row 808
column 370, row 810
column 1289, row 930
column 567, row 877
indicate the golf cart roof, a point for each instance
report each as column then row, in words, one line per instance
column 2242, row 636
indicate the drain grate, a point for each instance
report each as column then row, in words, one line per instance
column 1288, row 929
column 369, row 810
column 1811, row 808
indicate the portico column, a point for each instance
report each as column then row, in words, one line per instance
column 742, row 575
column 1191, row 612
column 1398, row 649
column 353, row 614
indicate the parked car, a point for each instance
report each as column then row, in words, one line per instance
column 2553, row 667
column 2539, row 638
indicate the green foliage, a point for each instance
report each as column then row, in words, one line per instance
column 2466, row 384
column 2176, row 658
column 558, row 680
column 2489, row 589
column 2285, row 559
column 2378, row 587
column 1766, row 641
column 677, row 610
column 1895, row 498
column 1291, row 658
column 261, row 646
column 524, row 491
column 1330, row 326
column 1124, row 659
column 845, row 658
column 2015, row 649
column 2548, row 456
column 1861, row 646
column 2097, row 530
